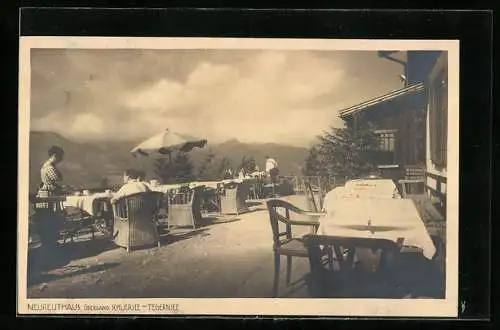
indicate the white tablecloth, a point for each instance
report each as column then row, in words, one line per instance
column 208, row 184
column 213, row 184
column 399, row 217
column 86, row 203
column 165, row 188
column 382, row 188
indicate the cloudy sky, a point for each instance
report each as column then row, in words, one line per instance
column 251, row 95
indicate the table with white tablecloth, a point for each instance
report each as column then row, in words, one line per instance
column 382, row 218
column 87, row 203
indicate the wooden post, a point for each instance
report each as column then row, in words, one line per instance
column 320, row 188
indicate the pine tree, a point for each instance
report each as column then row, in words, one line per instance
column 179, row 169
column 313, row 165
column 343, row 152
column 208, row 170
column 161, row 170
column 182, row 170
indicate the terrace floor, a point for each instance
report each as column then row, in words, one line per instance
column 227, row 257
column 231, row 256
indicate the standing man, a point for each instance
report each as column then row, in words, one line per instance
column 49, row 215
column 272, row 171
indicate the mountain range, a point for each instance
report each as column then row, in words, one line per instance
column 86, row 164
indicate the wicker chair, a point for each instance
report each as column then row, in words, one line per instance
column 233, row 201
column 184, row 208
column 285, row 244
column 134, row 223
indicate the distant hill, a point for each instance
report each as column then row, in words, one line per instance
column 86, row 164
column 290, row 159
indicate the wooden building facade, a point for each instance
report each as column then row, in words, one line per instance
column 399, row 118
column 437, row 129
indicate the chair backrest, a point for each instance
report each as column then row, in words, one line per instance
column 183, row 196
column 137, row 206
column 310, row 196
column 231, row 185
column 338, row 242
column 54, row 203
column 414, row 173
column 275, row 218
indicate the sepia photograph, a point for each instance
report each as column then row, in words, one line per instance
column 289, row 177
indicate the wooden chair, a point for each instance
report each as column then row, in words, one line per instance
column 254, row 191
column 184, row 208
column 349, row 280
column 316, row 205
column 134, row 217
column 414, row 181
column 233, row 201
column 76, row 221
column 284, row 243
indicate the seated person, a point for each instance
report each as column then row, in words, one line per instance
column 131, row 185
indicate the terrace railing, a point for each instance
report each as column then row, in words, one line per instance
column 318, row 183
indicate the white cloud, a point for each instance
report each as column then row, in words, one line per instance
column 86, row 125
column 263, row 100
column 210, row 75
column 267, row 96
column 160, row 96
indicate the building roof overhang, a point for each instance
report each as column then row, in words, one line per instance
column 367, row 105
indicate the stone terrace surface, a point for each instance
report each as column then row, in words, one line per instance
column 231, row 256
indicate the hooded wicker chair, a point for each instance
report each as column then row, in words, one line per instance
column 134, row 220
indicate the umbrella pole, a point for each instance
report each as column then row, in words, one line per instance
column 170, row 163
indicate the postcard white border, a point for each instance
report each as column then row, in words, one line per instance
column 307, row 307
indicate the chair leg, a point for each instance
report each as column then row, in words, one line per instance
column 93, row 234
column 276, row 274
column 330, row 257
column 288, row 270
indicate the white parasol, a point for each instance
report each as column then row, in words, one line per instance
column 167, row 142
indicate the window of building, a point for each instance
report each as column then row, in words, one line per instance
column 387, row 139
column 386, row 153
column 438, row 115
